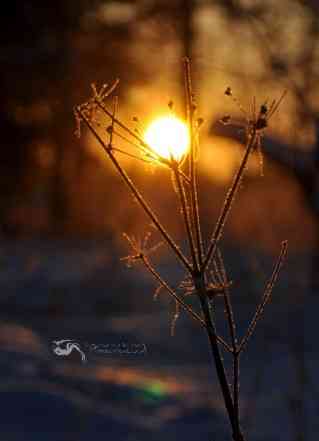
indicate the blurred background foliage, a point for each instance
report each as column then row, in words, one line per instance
column 54, row 184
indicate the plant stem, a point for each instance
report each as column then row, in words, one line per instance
column 236, row 359
column 221, row 271
column 266, row 296
column 184, row 305
column 185, row 211
column 229, row 200
column 193, row 168
column 227, row 300
column 137, row 195
column 162, row 282
column 221, row 374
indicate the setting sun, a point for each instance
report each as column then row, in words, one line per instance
column 168, row 136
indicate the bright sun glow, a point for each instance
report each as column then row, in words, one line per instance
column 168, row 136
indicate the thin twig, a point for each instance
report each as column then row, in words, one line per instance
column 229, row 200
column 147, row 153
column 185, row 211
column 131, row 155
column 120, row 124
column 144, row 145
column 138, row 195
column 179, row 300
column 151, row 154
column 193, row 168
column 228, row 304
column 266, row 296
column 185, row 177
column 221, row 271
column 115, row 104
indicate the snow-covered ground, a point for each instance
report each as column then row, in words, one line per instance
column 52, row 291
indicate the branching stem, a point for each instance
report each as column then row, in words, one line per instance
column 184, row 305
column 220, row 369
column 137, row 195
column 198, row 264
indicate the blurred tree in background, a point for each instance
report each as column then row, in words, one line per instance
column 50, row 54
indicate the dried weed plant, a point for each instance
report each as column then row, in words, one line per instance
column 206, row 275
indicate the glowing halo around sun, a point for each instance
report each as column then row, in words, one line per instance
column 168, row 136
